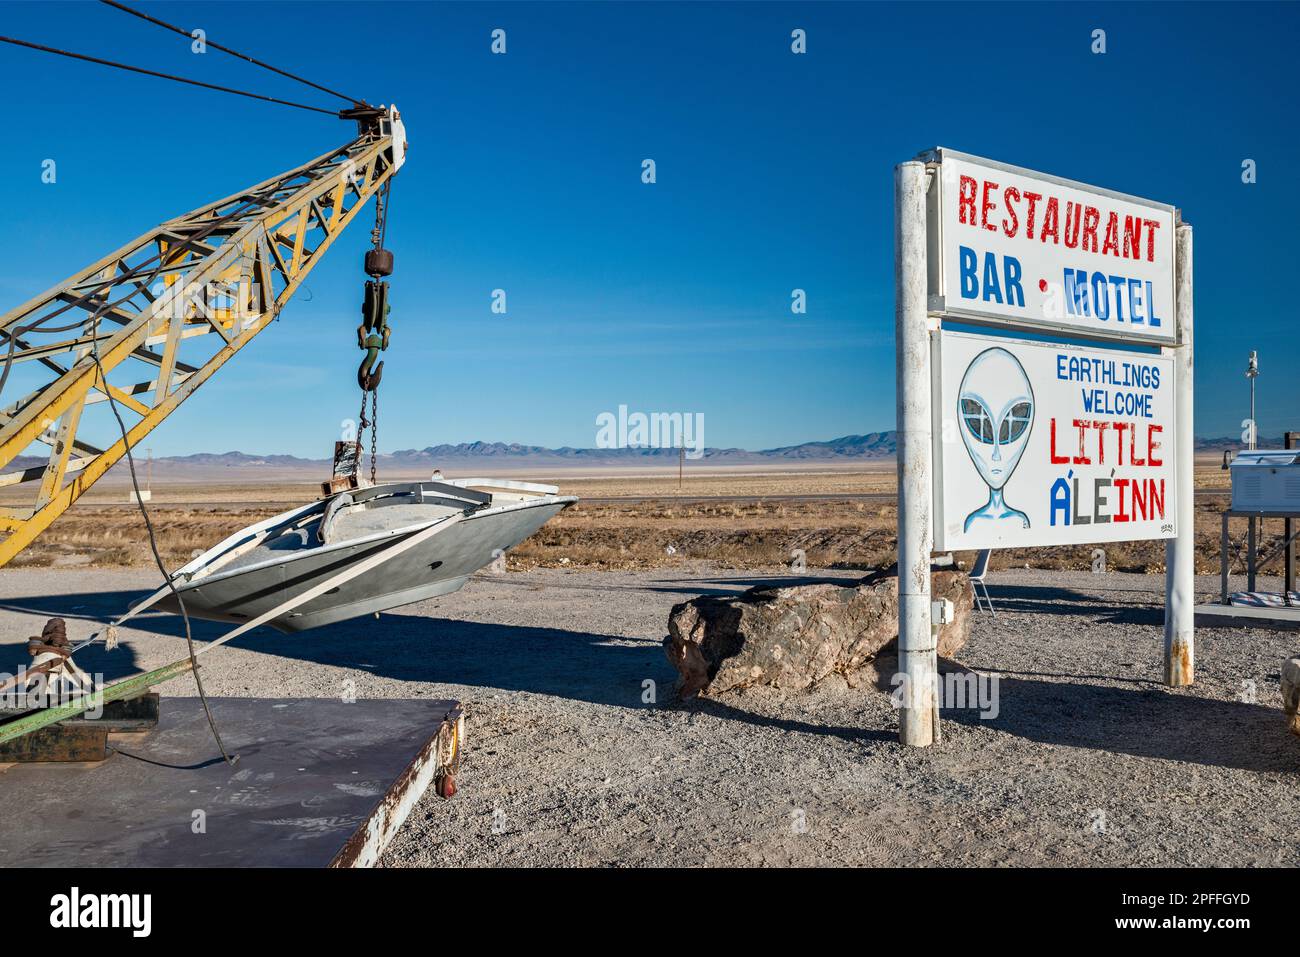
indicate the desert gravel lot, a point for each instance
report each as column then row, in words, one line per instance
column 1089, row 761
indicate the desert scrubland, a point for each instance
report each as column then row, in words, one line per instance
column 827, row 517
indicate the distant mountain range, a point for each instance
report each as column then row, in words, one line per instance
column 874, row 445
column 848, row 448
column 1235, row 444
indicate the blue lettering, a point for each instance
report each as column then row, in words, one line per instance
column 1015, row 294
column 1136, row 310
column 1100, row 296
column 1076, row 293
column 991, row 288
column 1059, row 501
column 969, row 282
column 1118, row 283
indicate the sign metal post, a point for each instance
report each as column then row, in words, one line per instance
column 1180, row 552
column 917, row 663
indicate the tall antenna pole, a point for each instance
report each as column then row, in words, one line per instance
column 1252, row 373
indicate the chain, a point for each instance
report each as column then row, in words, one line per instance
column 381, row 215
column 364, row 424
column 374, row 433
column 372, row 424
column 372, row 335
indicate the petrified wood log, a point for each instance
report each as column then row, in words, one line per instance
column 794, row 637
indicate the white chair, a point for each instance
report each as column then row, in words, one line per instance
column 977, row 580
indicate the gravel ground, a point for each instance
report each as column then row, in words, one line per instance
column 579, row 755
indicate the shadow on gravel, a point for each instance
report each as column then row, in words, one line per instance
column 696, row 587
column 726, row 712
column 775, row 581
column 94, row 606
column 1144, row 722
column 584, row 666
column 1046, row 600
column 85, row 614
column 699, row 586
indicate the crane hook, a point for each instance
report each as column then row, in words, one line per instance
column 374, row 331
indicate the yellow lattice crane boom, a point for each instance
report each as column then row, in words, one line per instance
column 148, row 324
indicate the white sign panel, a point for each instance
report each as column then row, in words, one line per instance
column 1011, row 245
column 1042, row 444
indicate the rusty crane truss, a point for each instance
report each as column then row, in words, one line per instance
column 150, row 323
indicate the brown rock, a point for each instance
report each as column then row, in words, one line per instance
column 1291, row 692
column 794, row 637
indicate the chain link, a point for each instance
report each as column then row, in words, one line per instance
column 377, row 238
column 374, row 434
column 372, row 424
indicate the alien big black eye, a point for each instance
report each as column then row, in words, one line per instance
column 1014, row 424
column 977, row 420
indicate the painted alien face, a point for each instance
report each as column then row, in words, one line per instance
column 996, row 409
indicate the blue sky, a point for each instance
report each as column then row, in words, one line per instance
column 774, row 173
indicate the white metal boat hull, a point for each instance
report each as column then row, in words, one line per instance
column 437, row 566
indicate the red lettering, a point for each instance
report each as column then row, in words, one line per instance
column 1101, row 428
column 987, row 205
column 1073, row 218
column 1011, row 194
column 1133, row 237
column 1090, row 219
column 1152, row 444
column 966, row 200
column 1152, row 226
column 1111, row 242
column 1050, row 221
column 1121, row 515
column 1132, row 450
column 1157, row 501
column 1033, row 199
column 1119, row 436
column 1056, row 459
column 1082, row 457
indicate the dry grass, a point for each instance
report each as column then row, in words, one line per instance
column 835, row 534
column 841, row 534
column 96, row 535
column 728, row 519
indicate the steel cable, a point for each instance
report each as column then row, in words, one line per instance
column 235, row 53
column 157, row 556
column 163, row 76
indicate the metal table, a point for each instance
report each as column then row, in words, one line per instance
column 1252, row 558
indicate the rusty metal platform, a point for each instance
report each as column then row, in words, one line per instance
column 319, row 783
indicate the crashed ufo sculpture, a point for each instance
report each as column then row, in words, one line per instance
column 267, row 565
